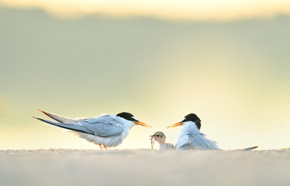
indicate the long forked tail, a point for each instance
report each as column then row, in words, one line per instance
column 58, row 118
column 73, row 127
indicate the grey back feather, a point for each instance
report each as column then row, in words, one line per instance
column 103, row 126
column 199, row 142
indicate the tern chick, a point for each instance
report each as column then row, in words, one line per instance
column 160, row 137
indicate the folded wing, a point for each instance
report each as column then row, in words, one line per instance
column 103, row 126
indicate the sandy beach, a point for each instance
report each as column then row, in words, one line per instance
column 143, row 167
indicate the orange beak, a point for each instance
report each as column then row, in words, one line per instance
column 142, row 124
column 175, row 125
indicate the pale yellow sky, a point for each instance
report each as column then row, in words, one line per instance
column 174, row 9
column 233, row 75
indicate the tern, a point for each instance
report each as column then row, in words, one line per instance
column 160, row 137
column 106, row 130
column 190, row 136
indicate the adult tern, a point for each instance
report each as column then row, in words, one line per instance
column 106, row 130
column 190, row 136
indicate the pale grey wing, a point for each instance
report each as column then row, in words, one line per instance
column 202, row 143
column 103, row 126
column 186, row 146
column 104, row 129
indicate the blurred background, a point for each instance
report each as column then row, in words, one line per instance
column 227, row 61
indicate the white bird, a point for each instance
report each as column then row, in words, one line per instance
column 160, row 137
column 107, row 130
column 190, row 136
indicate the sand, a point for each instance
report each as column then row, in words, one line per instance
column 143, row 167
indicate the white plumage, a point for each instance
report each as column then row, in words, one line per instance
column 191, row 138
column 107, row 130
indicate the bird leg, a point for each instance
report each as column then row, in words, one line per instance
column 100, row 146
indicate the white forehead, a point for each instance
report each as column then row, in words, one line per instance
column 135, row 118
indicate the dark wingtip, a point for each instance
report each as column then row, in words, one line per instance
column 44, row 112
column 250, row 148
column 254, row 147
column 36, row 118
column 41, row 111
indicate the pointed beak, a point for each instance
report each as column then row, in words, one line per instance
column 175, row 125
column 142, row 124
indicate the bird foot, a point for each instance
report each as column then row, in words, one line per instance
column 101, row 147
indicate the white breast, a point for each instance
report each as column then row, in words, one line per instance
column 109, row 141
column 191, row 138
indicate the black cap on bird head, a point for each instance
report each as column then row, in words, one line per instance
column 194, row 118
column 127, row 116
